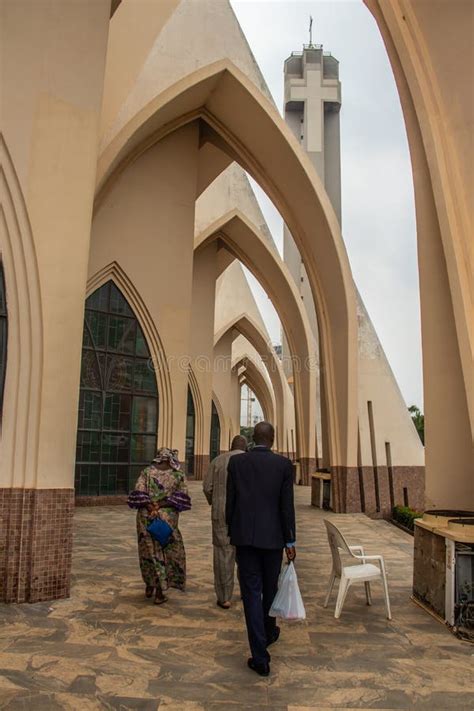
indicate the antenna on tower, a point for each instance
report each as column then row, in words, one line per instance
column 310, row 31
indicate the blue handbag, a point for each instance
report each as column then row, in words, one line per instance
column 160, row 531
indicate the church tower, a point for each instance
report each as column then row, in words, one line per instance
column 312, row 102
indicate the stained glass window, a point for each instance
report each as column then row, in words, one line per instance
column 3, row 335
column 118, row 402
column 215, row 445
column 190, row 427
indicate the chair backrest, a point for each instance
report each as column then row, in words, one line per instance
column 337, row 543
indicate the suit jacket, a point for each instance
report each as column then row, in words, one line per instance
column 260, row 510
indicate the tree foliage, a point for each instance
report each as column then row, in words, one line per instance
column 418, row 420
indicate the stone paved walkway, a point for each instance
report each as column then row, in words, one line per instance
column 109, row 648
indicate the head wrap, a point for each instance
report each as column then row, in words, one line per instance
column 168, row 455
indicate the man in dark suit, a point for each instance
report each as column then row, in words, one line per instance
column 260, row 516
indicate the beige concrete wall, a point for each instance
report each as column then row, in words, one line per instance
column 155, row 44
column 50, row 110
column 146, row 224
column 392, row 421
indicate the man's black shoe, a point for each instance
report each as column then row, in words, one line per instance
column 274, row 639
column 262, row 669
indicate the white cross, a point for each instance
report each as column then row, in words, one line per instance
column 313, row 92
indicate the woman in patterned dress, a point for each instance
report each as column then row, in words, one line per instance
column 161, row 490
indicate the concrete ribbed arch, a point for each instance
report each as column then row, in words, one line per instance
column 257, row 382
column 246, row 243
column 114, row 272
column 24, row 369
column 240, row 120
column 250, row 330
column 225, row 425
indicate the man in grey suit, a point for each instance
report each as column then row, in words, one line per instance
column 214, row 487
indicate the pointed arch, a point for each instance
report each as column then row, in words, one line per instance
column 223, row 420
column 245, row 242
column 250, row 330
column 159, row 362
column 266, row 148
column 257, row 382
column 118, row 401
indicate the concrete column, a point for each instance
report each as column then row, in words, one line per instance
column 50, row 120
column 202, row 346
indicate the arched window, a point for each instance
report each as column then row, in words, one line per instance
column 190, row 429
column 215, row 445
column 118, row 403
column 3, row 336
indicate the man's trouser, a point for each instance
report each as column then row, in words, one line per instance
column 224, row 562
column 259, row 569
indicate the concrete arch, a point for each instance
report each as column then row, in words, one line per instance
column 114, row 272
column 426, row 47
column 256, row 381
column 223, row 422
column 257, row 138
column 24, row 371
column 247, row 244
column 244, row 325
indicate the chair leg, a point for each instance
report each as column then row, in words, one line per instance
column 368, row 593
column 331, row 585
column 341, row 596
column 387, row 599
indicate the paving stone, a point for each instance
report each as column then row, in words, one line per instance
column 107, row 647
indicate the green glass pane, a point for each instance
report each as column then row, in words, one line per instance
column 143, row 448
column 118, row 304
column 90, row 410
column 144, row 379
column 115, row 447
column 133, row 473
column 117, row 410
column 113, row 479
column 87, row 479
column 3, row 300
column 96, row 322
column 121, row 334
column 86, row 339
column 119, row 373
column 141, row 347
column 3, row 350
column 99, row 300
column 88, row 447
column 144, row 414
column 90, row 372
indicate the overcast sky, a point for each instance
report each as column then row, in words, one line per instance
column 378, row 220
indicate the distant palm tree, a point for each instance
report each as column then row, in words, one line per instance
column 418, row 420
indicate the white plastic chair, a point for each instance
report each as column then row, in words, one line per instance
column 348, row 574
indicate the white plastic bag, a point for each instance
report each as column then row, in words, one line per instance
column 288, row 603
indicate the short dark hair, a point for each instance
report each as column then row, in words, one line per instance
column 239, row 442
column 264, row 434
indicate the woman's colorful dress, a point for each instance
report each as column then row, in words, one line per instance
column 161, row 567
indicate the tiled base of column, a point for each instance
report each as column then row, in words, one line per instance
column 376, row 492
column 308, row 467
column 113, row 500
column 36, row 544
